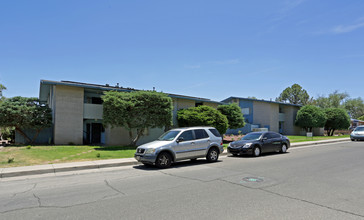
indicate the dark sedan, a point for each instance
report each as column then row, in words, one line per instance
column 256, row 143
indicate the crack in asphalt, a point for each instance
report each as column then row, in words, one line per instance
column 28, row 190
column 113, row 188
column 294, row 198
column 39, row 202
column 40, row 206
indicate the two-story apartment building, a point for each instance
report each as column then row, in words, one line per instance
column 275, row 116
column 77, row 113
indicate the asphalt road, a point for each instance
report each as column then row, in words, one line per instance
column 313, row 182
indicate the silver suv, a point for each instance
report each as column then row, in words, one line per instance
column 181, row 144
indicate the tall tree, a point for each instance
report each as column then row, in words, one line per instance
column 2, row 87
column 294, row 95
column 334, row 100
column 21, row 113
column 309, row 117
column 137, row 111
column 233, row 114
column 361, row 118
column 337, row 118
column 202, row 116
column 355, row 107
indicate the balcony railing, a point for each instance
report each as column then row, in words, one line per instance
column 281, row 116
column 92, row 111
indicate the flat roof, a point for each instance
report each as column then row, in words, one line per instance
column 260, row 100
column 45, row 85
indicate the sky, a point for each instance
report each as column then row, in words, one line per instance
column 210, row 49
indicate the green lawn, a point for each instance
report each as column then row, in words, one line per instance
column 294, row 139
column 37, row 155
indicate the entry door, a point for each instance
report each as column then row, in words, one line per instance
column 96, row 129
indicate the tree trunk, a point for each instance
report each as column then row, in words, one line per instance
column 332, row 132
column 35, row 136
column 138, row 135
column 23, row 134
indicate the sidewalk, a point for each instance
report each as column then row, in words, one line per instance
column 97, row 164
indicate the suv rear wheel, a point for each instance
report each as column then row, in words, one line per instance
column 164, row 160
column 212, row 155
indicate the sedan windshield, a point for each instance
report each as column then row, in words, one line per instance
column 168, row 136
column 255, row 136
column 359, row 129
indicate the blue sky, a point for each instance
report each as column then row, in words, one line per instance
column 211, row 49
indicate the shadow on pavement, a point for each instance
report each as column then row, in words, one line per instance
column 252, row 157
column 180, row 164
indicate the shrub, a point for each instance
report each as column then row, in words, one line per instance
column 202, row 116
column 28, row 147
column 98, row 155
column 11, row 160
column 233, row 114
column 337, row 118
column 309, row 117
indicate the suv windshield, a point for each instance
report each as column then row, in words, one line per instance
column 169, row 135
column 359, row 129
column 255, row 136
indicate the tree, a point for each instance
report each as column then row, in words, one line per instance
column 202, row 116
column 2, row 87
column 355, row 107
column 294, row 95
column 309, row 117
column 137, row 111
column 361, row 118
column 252, row 97
column 334, row 100
column 233, row 114
column 21, row 113
column 337, row 118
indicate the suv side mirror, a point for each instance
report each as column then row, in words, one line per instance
column 180, row 139
column 264, row 139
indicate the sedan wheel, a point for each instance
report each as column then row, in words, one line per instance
column 283, row 148
column 256, row 152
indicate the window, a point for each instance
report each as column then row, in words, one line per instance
column 245, row 111
column 198, row 104
column 96, row 100
column 268, row 136
column 281, row 109
column 187, row 135
column 274, row 135
column 215, row 132
column 169, row 135
column 201, row 134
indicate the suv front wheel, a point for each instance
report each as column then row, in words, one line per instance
column 164, row 160
column 212, row 155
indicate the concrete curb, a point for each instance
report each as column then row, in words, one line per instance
column 306, row 143
column 87, row 165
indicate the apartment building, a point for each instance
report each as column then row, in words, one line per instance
column 77, row 113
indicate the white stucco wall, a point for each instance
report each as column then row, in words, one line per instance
column 68, row 114
column 266, row 114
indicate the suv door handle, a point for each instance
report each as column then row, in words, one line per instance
column 192, row 143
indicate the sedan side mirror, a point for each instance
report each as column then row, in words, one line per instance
column 180, row 139
column 264, row 139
